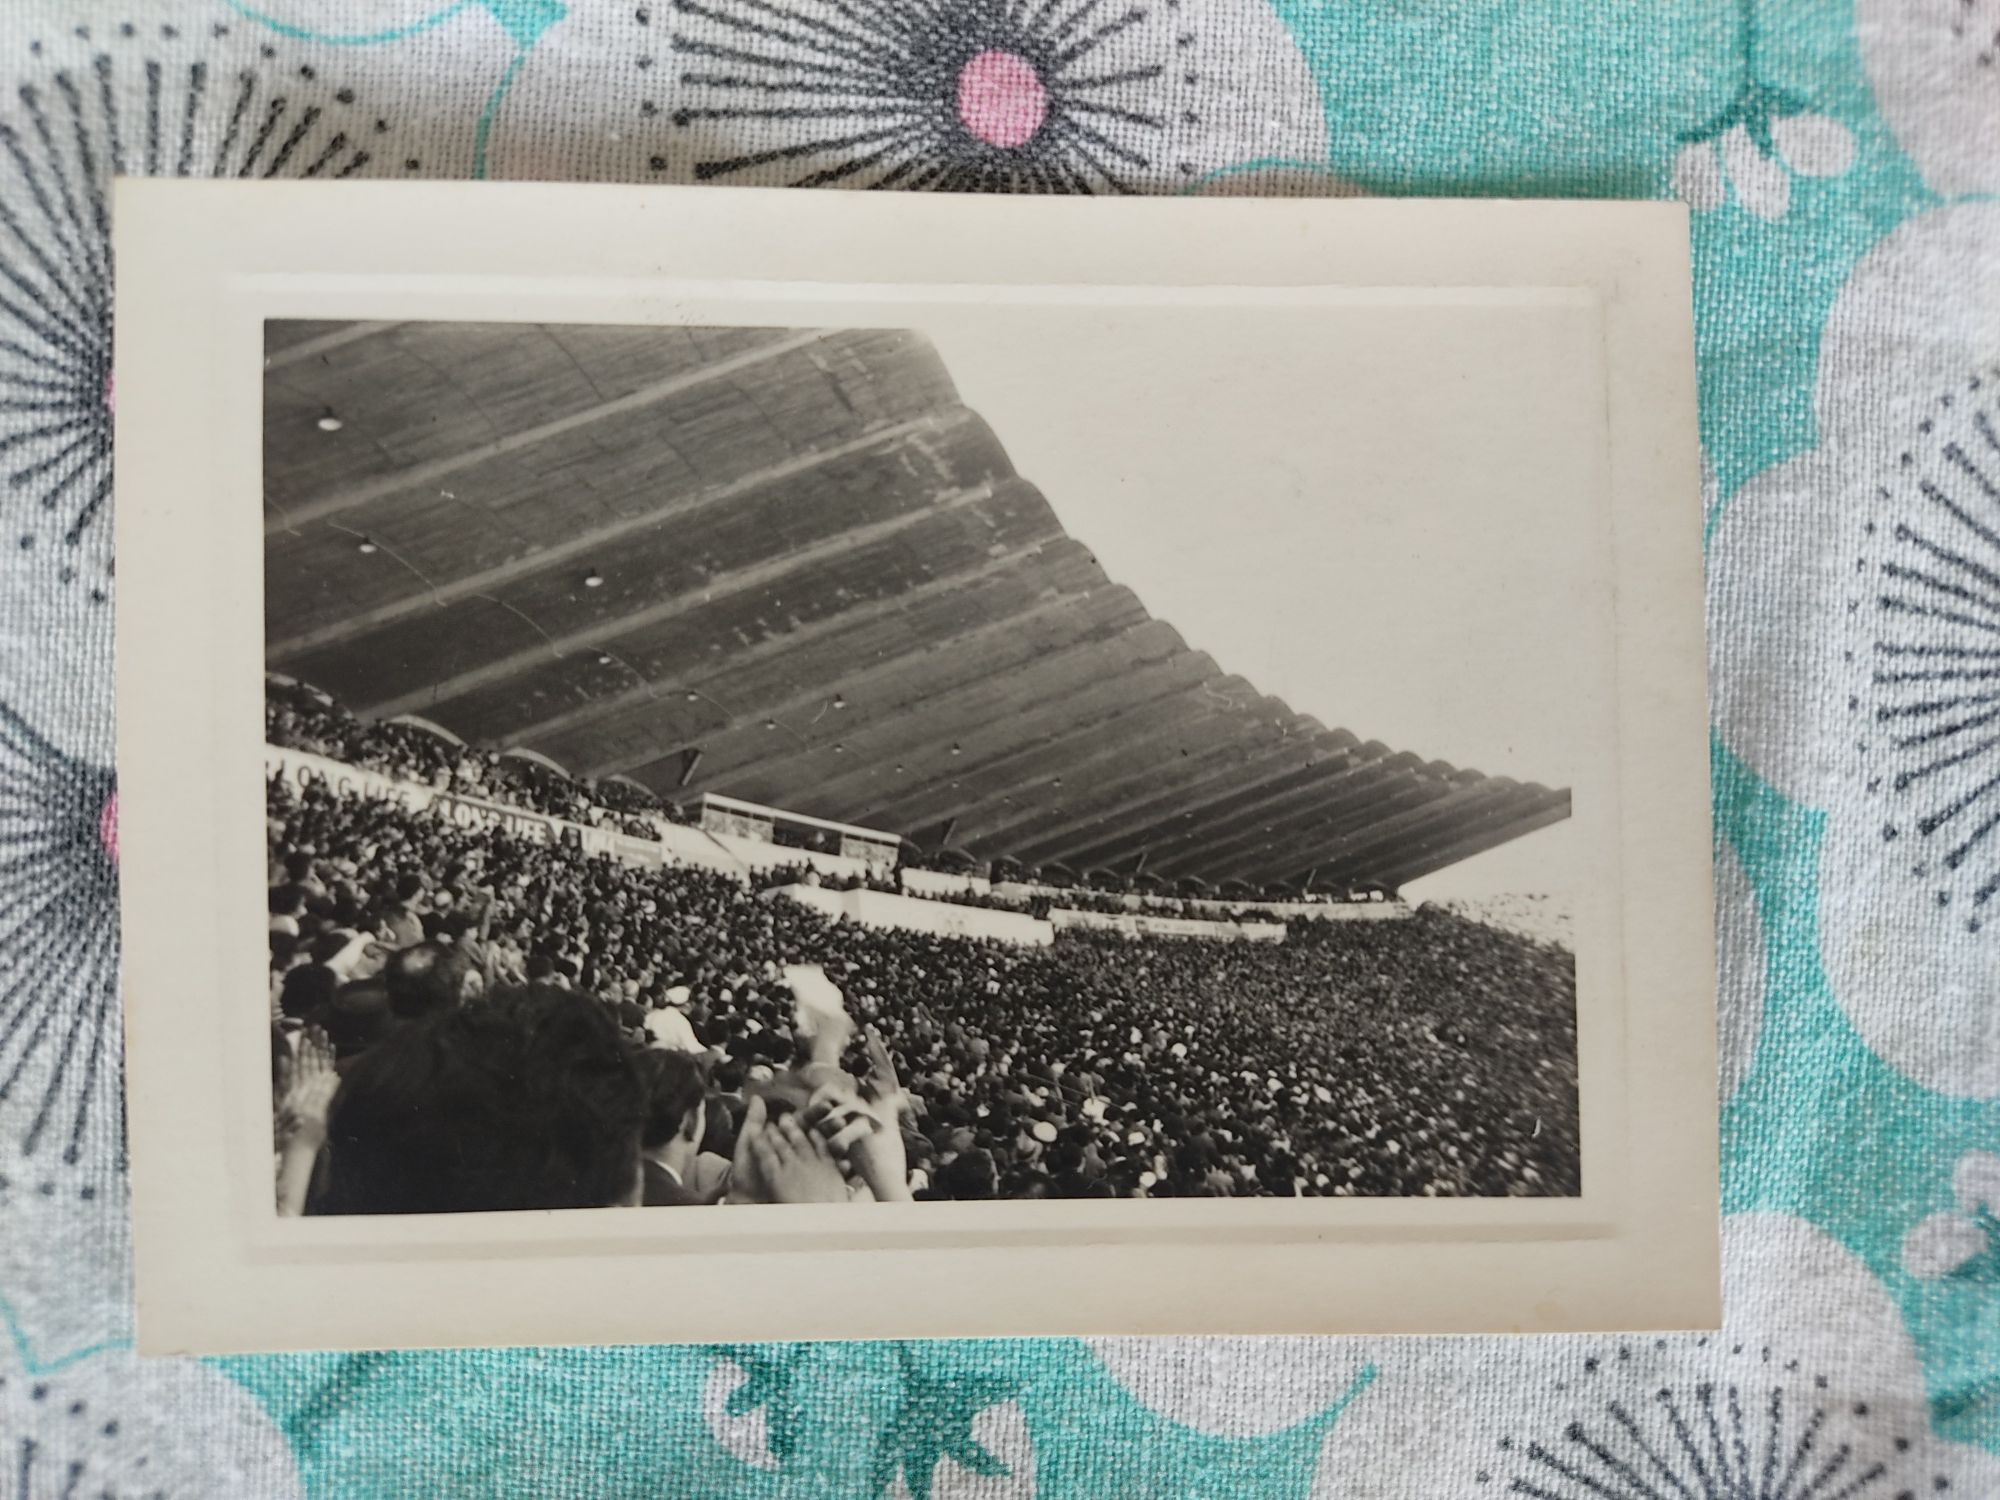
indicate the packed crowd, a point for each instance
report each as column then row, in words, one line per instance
column 297, row 717
column 472, row 985
column 1034, row 903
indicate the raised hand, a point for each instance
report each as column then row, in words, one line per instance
column 797, row 1166
column 310, row 1085
column 867, row 1135
column 746, row 1183
column 892, row 1101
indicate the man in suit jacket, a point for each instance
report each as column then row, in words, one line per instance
column 675, row 1121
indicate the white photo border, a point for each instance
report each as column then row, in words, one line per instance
column 203, row 265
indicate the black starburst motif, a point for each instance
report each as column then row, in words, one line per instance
column 1926, row 604
column 134, row 103
column 1049, row 96
column 1757, row 1427
column 71, row 1447
column 58, row 962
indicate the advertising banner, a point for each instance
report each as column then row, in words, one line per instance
column 303, row 769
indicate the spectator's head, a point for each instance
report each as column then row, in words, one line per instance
column 350, row 954
column 409, row 888
column 289, row 900
column 971, row 1176
column 678, row 1089
column 429, row 978
column 540, row 967
column 531, row 1101
column 308, row 989
column 1029, row 1185
column 355, row 1019
column 298, row 867
column 328, row 947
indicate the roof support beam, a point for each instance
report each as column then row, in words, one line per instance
column 1345, row 858
column 334, row 503
column 1416, row 864
column 1266, row 848
column 831, row 629
column 1302, row 777
column 1247, row 738
column 1168, row 805
column 890, row 734
column 1084, row 756
column 1066, row 698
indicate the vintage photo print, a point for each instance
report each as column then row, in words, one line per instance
column 705, row 768
column 922, row 759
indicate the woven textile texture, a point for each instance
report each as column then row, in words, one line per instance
column 1843, row 161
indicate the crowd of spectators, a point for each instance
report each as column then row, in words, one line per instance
column 297, row 717
column 481, row 982
column 1036, row 902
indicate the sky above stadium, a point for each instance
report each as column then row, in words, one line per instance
column 1422, row 563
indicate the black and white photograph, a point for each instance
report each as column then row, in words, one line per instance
column 742, row 765
column 1044, row 743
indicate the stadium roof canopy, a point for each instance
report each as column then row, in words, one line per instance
column 801, row 556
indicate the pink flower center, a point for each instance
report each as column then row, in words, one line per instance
column 107, row 827
column 1001, row 98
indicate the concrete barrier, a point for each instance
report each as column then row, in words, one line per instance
column 883, row 909
column 1134, row 924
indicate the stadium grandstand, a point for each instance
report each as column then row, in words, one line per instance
column 630, row 666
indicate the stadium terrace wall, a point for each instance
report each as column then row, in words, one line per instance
column 302, row 769
column 941, row 883
column 1318, row 911
column 756, row 855
column 740, row 857
column 725, row 854
column 1132, row 924
column 919, row 914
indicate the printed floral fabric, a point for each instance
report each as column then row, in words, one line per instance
column 1840, row 162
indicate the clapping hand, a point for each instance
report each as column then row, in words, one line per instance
column 310, row 1084
column 780, row 1161
column 892, row 1100
column 867, row 1132
column 307, row 1097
